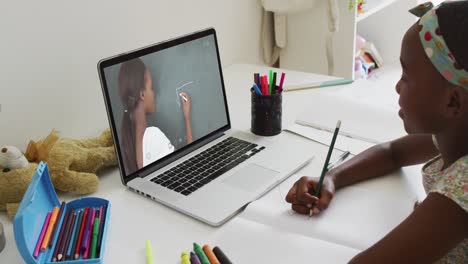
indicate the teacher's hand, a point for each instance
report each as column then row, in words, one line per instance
column 186, row 104
column 302, row 197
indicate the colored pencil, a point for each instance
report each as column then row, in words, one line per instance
column 88, row 233
column 50, row 227
column 102, row 222
column 60, row 236
column 325, row 165
column 71, row 254
column 42, row 234
column 74, row 233
column 82, row 228
column 94, row 237
column 59, row 217
column 66, row 236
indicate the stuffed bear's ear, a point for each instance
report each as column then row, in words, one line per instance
column 31, row 152
column 39, row 151
column 47, row 144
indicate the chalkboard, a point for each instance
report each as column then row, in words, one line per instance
column 190, row 67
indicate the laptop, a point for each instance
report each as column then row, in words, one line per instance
column 170, row 123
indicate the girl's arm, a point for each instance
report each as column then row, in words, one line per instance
column 436, row 226
column 186, row 107
column 384, row 158
column 188, row 129
column 374, row 162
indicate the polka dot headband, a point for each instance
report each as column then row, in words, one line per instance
column 435, row 47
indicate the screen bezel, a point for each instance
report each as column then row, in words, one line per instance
column 111, row 61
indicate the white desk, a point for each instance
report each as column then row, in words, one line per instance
column 358, row 216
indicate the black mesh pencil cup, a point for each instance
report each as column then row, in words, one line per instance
column 266, row 113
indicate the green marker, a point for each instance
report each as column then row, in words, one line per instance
column 95, row 236
column 199, row 251
column 270, row 81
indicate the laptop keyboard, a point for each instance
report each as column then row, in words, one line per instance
column 206, row 166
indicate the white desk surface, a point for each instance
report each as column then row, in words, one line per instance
column 358, row 216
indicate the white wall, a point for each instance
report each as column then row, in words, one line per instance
column 49, row 51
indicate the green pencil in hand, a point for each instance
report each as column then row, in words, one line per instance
column 325, row 165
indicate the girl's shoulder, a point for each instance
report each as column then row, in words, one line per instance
column 451, row 182
column 153, row 130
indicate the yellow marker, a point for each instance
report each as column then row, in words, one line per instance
column 185, row 258
column 149, row 253
column 53, row 219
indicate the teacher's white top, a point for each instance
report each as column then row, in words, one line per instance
column 155, row 145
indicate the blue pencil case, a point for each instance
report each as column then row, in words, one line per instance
column 40, row 199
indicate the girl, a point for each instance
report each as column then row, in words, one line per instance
column 140, row 144
column 433, row 94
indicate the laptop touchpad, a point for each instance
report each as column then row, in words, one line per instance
column 251, row 177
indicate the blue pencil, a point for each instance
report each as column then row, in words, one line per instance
column 257, row 90
column 74, row 234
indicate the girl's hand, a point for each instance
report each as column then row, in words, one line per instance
column 302, row 195
column 186, row 104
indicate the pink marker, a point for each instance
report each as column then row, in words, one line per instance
column 280, row 88
column 41, row 236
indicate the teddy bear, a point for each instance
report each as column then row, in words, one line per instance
column 72, row 166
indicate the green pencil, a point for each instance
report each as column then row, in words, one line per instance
column 95, row 237
column 327, row 160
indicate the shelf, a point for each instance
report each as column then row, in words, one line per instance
column 373, row 6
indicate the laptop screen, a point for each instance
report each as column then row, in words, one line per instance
column 164, row 98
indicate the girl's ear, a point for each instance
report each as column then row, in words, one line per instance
column 457, row 102
column 142, row 95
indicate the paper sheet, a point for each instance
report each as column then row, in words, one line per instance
column 358, row 216
column 244, row 241
column 342, row 143
column 359, row 120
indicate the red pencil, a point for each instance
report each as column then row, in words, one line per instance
column 80, row 237
column 90, row 234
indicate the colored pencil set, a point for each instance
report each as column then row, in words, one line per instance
column 78, row 236
column 204, row 255
column 266, row 85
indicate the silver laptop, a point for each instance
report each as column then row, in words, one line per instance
column 170, row 123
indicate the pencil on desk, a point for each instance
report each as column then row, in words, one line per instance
column 325, row 165
column 342, row 157
column 317, row 85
